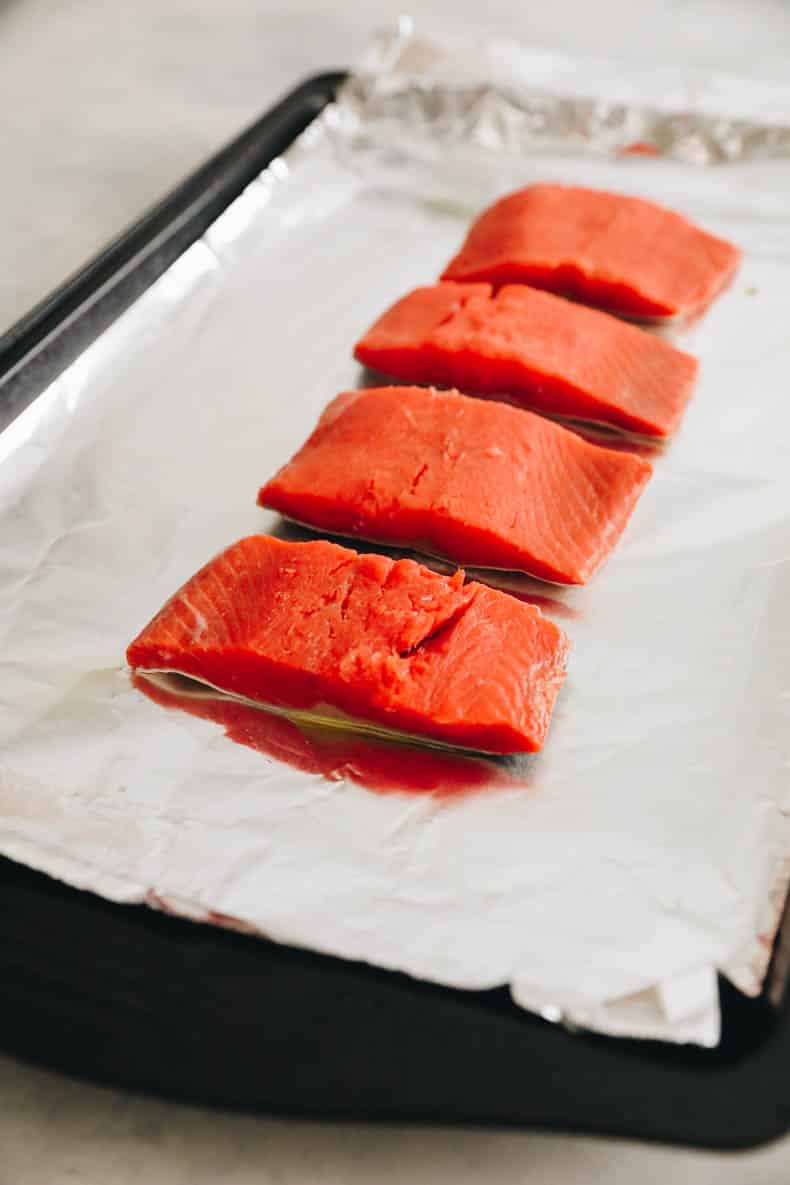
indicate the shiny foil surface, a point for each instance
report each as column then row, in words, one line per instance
column 606, row 880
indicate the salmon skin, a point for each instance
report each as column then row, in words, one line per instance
column 482, row 483
column 314, row 627
column 620, row 253
column 539, row 350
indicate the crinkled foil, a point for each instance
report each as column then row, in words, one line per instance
column 608, row 879
column 509, row 98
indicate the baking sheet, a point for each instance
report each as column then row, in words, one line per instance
column 609, row 878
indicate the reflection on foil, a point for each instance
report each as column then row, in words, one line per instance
column 611, row 438
column 336, row 754
column 640, row 148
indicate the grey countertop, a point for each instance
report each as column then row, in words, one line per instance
column 105, row 107
column 53, row 1132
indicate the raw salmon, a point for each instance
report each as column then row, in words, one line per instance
column 483, row 483
column 537, row 349
column 620, row 253
column 316, row 628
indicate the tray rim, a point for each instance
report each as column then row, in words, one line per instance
column 317, row 1036
column 50, row 335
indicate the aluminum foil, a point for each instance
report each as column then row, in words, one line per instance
column 606, row 880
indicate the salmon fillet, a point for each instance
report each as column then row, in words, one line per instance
column 483, row 483
column 620, row 253
column 539, row 350
column 313, row 627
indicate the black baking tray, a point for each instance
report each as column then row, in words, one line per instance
column 123, row 995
